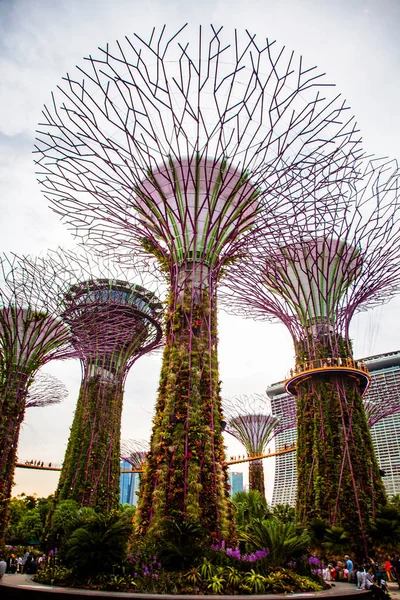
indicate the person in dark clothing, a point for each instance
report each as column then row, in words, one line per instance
column 32, row 567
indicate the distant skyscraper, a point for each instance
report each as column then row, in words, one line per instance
column 129, row 484
column 385, row 390
column 236, row 482
column 285, row 483
column 385, row 432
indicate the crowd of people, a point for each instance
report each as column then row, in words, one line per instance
column 27, row 564
column 368, row 575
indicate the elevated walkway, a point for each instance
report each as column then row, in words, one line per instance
column 322, row 368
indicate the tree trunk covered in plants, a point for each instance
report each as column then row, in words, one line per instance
column 256, row 476
column 185, row 477
column 337, row 472
column 13, row 391
column 91, row 468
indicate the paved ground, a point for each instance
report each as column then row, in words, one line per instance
column 394, row 590
column 339, row 589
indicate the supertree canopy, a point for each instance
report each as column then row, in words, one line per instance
column 314, row 280
column 113, row 322
column 45, row 390
column 172, row 148
column 135, row 452
column 249, row 422
column 31, row 334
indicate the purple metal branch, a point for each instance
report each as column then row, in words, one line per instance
column 134, row 452
column 314, row 276
column 45, row 391
column 250, row 423
column 148, row 120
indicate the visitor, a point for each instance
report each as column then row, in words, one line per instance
column 388, row 569
column 3, row 567
column 12, row 564
column 361, row 577
column 379, row 592
column 349, row 567
column 19, row 564
column 33, row 566
column 28, row 562
column 24, row 559
column 396, row 568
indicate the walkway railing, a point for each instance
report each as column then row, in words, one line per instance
column 330, row 364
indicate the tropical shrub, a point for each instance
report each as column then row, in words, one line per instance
column 282, row 539
column 98, row 545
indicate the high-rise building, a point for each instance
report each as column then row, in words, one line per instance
column 236, row 482
column 129, row 484
column 385, row 389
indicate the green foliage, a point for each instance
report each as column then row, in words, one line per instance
column 282, row 539
column 91, row 468
column 216, row 584
column 317, row 529
column 30, row 525
column 395, row 500
column 53, row 574
column 233, row 577
column 255, row 582
column 98, row 545
column 249, row 506
column 286, row 581
column 336, row 541
column 284, row 513
column 206, row 569
column 179, row 544
column 385, row 531
column 185, row 478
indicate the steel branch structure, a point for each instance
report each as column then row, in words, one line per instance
column 313, row 280
column 161, row 147
column 31, row 334
column 45, row 390
column 113, row 322
column 135, row 452
column 249, row 422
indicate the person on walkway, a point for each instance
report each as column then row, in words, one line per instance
column 24, row 559
column 396, row 568
column 3, row 567
column 388, row 569
column 361, row 577
column 12, row 564
column 32, row 567
column 349, row 567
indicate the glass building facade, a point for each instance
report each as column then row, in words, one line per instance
column 129, row 485
column 385, row 374
column 236, row 482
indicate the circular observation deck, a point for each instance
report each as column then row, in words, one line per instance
column 322, row 368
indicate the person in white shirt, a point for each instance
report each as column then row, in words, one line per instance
column 3, row 567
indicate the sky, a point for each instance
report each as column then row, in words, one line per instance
column 354, row 41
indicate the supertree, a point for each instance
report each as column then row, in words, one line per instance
column 45, row 390
column 167, row 151
column 314, row 278
column 113, row 322
column 31, row 334
column 249, row 422
column 135, row 452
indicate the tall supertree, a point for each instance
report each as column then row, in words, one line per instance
column 31, row 334
column 46, row 390
column 113, row 322
column 250, row 422
column 314, row 278
column 170, row 150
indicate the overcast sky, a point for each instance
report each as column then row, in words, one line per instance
column 354, row 41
